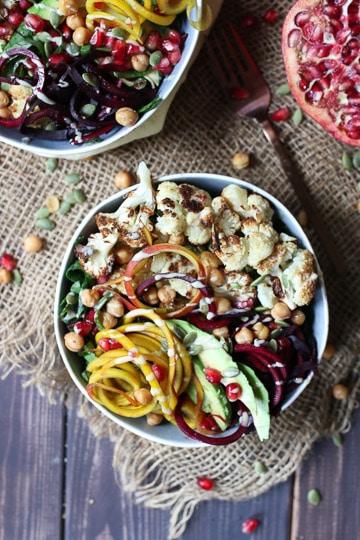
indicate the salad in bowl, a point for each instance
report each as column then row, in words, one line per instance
column 194, row 308
column 73, row 71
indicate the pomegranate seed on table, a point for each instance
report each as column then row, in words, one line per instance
column 250, row 525
column 159, row 372
column 8, row 262
column 83, row 328
column 280, row 115
column 249, row 21
column 15, row 18
column 108, row 344
column 212, row 375
column 233, row 391
column 34, row 22
column 239, row 93
column 205, row 483
column 271, row 16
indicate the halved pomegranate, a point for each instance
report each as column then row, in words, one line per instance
column 321, row 49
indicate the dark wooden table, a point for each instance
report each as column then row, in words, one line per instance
column 56, row 482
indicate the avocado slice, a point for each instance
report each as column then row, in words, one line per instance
column 215, row 400
column 254, row 394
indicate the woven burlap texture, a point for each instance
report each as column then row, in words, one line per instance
column 201, row 134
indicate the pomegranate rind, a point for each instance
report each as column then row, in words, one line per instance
column 318, row 114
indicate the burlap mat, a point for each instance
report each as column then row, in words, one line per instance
column 201, row 134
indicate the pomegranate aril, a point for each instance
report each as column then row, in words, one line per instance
column 159, row 372
column 98, row 38
column 164, row 66
column 15, row 18
column 108, row 344
column 90, row 316
column 102, row 279
column 25, row 5
column 8, row 262
column 281, row 115
column 58, row 59
column 250, row 525
column 303, row 85
column 6, row 30
column 271, row 16
column 174, row 57
column 213, row 375
column 249, row 21
column 205, row 483
column 208, row 423
column 302, row 18
column 132, row 48
column 66, row 31
column 174, row 36
column 233, row 391
column 35, row 23
column 83, row 328
column 169, row 46
column 153, row 41
column 294, row 38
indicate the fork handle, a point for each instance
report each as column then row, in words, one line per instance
column 305, row 198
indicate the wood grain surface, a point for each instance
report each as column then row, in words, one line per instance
column 46, row 497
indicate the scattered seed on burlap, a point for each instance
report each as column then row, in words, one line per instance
column 52, row 164
column 52, row 203
column 43, row 212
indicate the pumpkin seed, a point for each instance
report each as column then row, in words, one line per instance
column 89, row 78
column 179, row 332
column 45, row 223
column 155, row 58
column 65, row 207
column 338, row 439
column 189, row 339
column 118, row 32
column 282, row 90
column 260, row 467
column 88, row 109
column 356, row 160
column 52, row 204
column 72, row 178
column 275, row 333
column 73, row 49
column 79, row 196
column 195, row 350
column 71, row 298
column 17, row 277
column 42, row 213
column 85, row 49
column 257, row 281
column 273, row 344
column 347, row 162
column 281, row 323
column 260, row 309
column 314, row 497
column 231, row 372
column 52, row 164
column 297, row 117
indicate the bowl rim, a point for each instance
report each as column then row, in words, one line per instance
column 190, row 443
column 78, row 151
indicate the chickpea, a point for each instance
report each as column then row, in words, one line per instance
column 89, row 297
column 5, row 276
column 210, row 260
column 75, row 21
column 115, row 307
column 33, row 243
column 125, row 116
column 280, row 311
column 68, row 7
column 108, row 321
column 261, row 331
column 178, row 239
column 222, row 305
column 340, row 391
column 298, row 317
column 166, row 294
column 123, row 254
column 73, row 341
column 329, row 351
column 4, row 99
column 81, row 36
column 151, row 296
column 140, row 62
column 240, row 160
column 302, row 218
column 123, row 179
column 222, row 332
column 217, row 277
column 5, row 113
column 154, row 419
column 143, row 396
column 243, row 336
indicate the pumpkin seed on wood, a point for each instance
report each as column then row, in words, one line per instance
column 282, row 90
column 314, row 497
column 347, row 161
column 45, row 223
column 72, row 178
column 297, row 117
column 52, row 164
column 42, row 213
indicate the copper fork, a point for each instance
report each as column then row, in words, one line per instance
column 235, row 69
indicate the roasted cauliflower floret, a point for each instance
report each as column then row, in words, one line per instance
column 171, row 218
column 299, row 278
column 193, row 199
column 260, row 247
column 266, row 294
column 259, row 208
column 96, row 257
column 226, row 219
column 198, row 226
column 171, row 262
column 238, row 287
column 133, row 215
column 250, row 225
column 233, row 252
column 281, row 255
column 237, row 198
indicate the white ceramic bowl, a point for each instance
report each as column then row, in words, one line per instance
column 167, row 433
column 118, row 136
